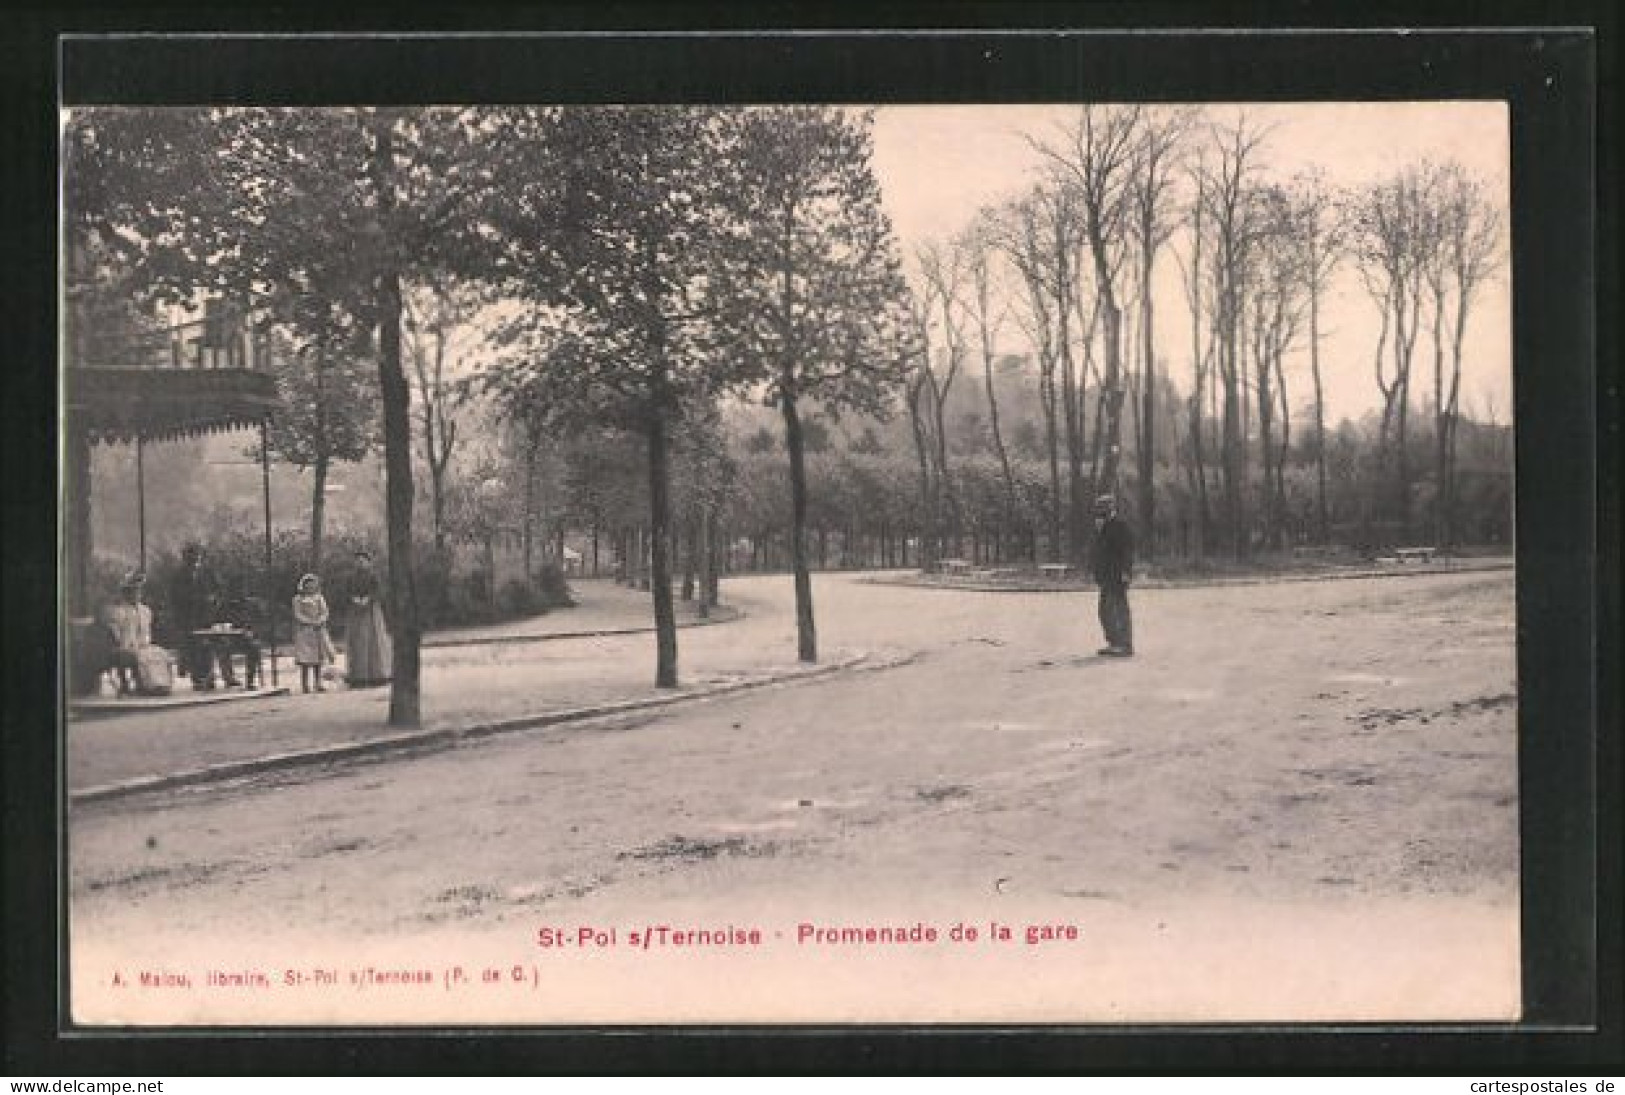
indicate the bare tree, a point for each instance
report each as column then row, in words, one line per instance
column 1320, row 235
column 1276, row 309
column 1468, row 252
column 1193, row 274
column 980, row 249
column 1395, row 231
column 1227, row 192
column 1098, row 154
column 1161, row 139
column 938, row 315
column 1027, row 230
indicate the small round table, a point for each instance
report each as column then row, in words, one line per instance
column 225, row 641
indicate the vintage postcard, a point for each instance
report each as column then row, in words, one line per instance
column 591, row 564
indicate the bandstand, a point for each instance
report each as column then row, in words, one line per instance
column 170, row 384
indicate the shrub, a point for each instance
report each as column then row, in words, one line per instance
column 519, row 598
column 247, row 594
column 553, row 587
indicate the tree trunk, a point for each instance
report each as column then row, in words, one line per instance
column 1231, row 443
column 1148, row 432
column 528, row 531
column 1072, row 421
column 405, row 698
column 928, row 489
column 1440, row 440
column 690, row 539
column 708, row 564
column 1263, row 375
column 998, row 435
column 660, row 553
column 1322, row 514
column 1286, row 437
column 1046, row 392
column 1453, row 417
column 318, row 511
column 1403, row 347
column 806, row 628
column 1111, row 392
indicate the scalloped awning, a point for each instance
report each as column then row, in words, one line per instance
column 115, row 405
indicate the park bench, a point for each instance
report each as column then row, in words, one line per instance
column 955, row 567
column 1055, row 570
column 1415, row 554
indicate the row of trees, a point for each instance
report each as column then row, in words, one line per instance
column 1072, row 264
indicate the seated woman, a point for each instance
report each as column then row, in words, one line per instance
column 130, row 622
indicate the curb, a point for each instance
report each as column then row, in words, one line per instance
column 601, row 633
column 1213, row 583
column 448, row 736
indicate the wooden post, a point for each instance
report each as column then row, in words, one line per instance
column 141, row 499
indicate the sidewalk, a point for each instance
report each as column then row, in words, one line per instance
column 470, row 689
column 602, row 608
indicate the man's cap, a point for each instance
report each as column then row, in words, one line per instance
column 309, row 579
column 1105, row 503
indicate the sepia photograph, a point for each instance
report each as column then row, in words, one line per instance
column 815, row 563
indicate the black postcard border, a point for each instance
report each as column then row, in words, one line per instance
column 1557, row 79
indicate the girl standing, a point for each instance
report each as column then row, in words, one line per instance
column 311, row 646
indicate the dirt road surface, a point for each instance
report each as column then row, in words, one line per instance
column 1298, row 802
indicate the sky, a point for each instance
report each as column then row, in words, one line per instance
column 938, row 165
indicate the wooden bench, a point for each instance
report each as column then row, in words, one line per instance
column 1055, row 570
column 1415, row 554
column 955, row 567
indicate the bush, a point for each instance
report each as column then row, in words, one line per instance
column 519, row 598
column 553, row 587
column 236, row 561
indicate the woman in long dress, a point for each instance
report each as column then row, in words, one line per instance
column 368, row 653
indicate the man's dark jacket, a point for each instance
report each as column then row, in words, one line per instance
column 1114, row 553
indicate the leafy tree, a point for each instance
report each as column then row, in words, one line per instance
column 435, row 315
column 612, row 235
column 811, row 292
column 327, row 383
column 343, row 203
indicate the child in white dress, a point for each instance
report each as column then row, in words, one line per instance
column 312, row 648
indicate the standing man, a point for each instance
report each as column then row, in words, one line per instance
column 1114, row 564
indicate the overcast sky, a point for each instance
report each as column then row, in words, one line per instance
column 939, row 164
